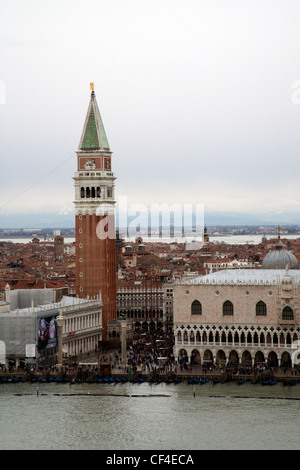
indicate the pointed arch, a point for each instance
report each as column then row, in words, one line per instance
column 227, row 308
column 287, row 313
column 261, row 309
column 196, row 308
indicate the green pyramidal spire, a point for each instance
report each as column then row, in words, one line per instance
column 93, row 136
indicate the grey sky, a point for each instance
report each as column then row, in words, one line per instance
column 199, row 100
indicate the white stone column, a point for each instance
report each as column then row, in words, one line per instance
column 60, row 322
column 123, row 341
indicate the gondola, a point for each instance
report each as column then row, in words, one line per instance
column 269, row 382
column 178, row 380
column 217, row 380
column 289, row 382
column 241, row 381
column 203, row 381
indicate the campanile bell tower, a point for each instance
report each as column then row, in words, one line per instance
column 95, row 239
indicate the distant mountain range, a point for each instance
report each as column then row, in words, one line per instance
column 210, row 219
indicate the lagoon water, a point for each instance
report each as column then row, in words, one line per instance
column 149, row 417
column 229, row 239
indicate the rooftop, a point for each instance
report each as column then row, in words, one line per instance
column 246, row 276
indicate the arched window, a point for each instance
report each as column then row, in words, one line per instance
column 287, row 314
column 261, row 309
column 82, row 192
column 196, row 308
column 227, row 308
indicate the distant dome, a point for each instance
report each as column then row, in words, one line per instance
column 280, row 259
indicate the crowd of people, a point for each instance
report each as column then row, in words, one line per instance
column 151, row 351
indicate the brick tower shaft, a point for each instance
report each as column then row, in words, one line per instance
column 95, row 237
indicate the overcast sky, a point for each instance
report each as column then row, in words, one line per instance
column 200, row 100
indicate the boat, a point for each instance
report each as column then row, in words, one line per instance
column 268, row 381
column 289, row 382
column 177, row 380
column 217, row 380
column 99, row 380
column 241, row 381
column 203, row 381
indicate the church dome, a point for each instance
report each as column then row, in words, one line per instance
column 280, row 259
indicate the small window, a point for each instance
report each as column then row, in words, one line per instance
column 196, row 308
column 287, row 314
column 227, row 308
column 261, row 309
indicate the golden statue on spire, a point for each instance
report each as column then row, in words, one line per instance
column 92, row 86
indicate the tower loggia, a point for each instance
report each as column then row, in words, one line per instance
column 95, row 243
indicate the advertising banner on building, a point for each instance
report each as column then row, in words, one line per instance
column 47, row 333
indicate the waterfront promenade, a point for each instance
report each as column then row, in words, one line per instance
column 90, row 371
column 150, row 358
